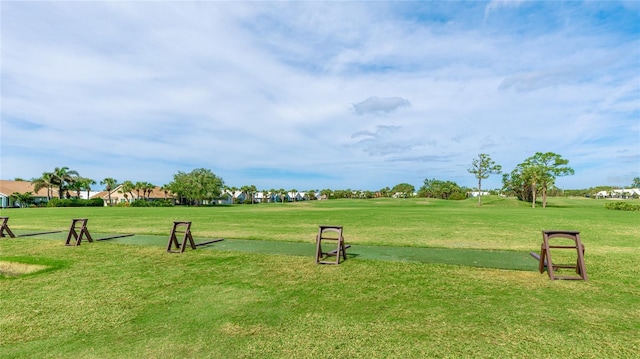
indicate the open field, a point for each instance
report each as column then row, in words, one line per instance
column 121, row 300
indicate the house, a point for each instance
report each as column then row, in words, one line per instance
column 117, row 196
column 625, row 193
column 7, row 188
column 476, row 193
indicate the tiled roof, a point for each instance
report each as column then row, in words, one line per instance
column 7, row 188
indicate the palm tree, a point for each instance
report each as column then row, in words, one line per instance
column 61, row 176
column 76, row 186
column 138, row 186
column 126, row 187
column 148, row 188
column 110, row 184
column 42, row 182
column 272, row 193
column 84, row 183
column 165, row 189
column 233, row 191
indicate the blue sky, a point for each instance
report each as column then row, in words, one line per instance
column 313, row 95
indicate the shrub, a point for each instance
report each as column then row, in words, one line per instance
column 622, row 206
column 75, row 202
column 154, row 203
column 140, row 203
column 457, row 196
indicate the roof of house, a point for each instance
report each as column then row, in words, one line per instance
column 7, row 188
column 155, row 193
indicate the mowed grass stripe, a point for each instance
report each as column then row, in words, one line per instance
column 510, row 260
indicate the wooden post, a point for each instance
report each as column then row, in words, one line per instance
column 5, row 228
column 81, row 224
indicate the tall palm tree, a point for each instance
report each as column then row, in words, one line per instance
column 138, row 186
column 87, row 183
column 110, row 184
column 233, row 191
column 253, row 189
column 165, row 189
column 127, row 188
column 42, row 182
column 148, row 188
column 62, row 176
column 76, row 186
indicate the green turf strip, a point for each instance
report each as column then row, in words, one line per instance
column 510, row 260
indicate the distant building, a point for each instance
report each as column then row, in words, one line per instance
column 7, row 188
column 624, row 193
column 477, row 193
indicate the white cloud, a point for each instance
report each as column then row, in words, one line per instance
column 376, row 104
column 263, row 93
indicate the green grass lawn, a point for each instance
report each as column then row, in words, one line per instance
column 119, row 299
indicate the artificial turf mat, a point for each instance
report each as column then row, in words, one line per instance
column 511, row 260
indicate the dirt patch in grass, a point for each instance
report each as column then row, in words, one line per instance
column 16, row 269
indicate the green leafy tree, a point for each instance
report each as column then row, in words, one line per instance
column 434, row 188
column 536, row 174
column 547, row 166
column 197, row 186
column 405, row 190
column 482, row 167
column 636, row 182
column 23, row 199
column 110, row 184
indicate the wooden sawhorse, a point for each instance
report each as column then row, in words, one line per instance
column 77, row 231
column 330, row 233
column 5, row 228
column 184, row 228
column 545, row 260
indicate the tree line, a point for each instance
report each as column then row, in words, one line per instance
column 533, row 178
column 535, row 175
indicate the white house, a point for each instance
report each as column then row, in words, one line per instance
column 624, row 193
column 477, row 193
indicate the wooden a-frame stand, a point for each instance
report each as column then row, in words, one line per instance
column 545, row 260
column 5, row 228
column 330, row 233
column 183, row 228
column 77, row 231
